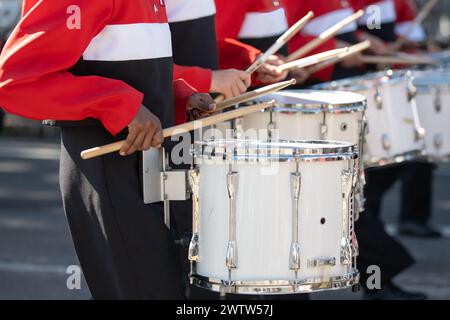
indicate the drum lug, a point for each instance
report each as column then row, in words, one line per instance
column 344, row 126
column 355, row 245
column 419, row 134
column 271, row 128
column 323, row 130
column 438, row 141
column 231, row 259
column 347, row 179
column 386, row 141
column 438, row 101
column 322, row 262
column 232, row 188
column 412, row 91
column 194, row 181
column 378, row 100
column 294, row 257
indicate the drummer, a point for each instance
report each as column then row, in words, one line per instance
column 245, row 29
column 98, row 96
column 326, row 15
column 196, row 58
column 376, row 246
column 417, row 176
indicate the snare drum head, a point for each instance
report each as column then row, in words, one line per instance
column 429, row 78
column 279, row 150
column 316, row 99
column 368, row 81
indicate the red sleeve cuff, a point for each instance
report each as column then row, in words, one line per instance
column 182, row 92
column 115, row 120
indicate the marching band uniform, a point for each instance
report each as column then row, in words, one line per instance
column 387, row 15
column 95, row 78
column 257, row 23
column 376, row 246
column 195, row 57
column 416, row 177
column 326, row 15
column 245, row 29
column 406, row 12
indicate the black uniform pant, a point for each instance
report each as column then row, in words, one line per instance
column 376, row 246
column 416, row 192
column 123, row 246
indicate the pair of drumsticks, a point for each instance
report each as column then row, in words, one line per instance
column 295, row 60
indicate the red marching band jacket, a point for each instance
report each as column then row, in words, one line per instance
column 104, row 69
column 406, row 14
column 326, row 14
column 246, row 19
column 190, row 10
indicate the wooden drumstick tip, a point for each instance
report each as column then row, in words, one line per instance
column 86, row 154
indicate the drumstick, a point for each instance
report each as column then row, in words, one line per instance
column 312, row 60
column 254, row 94
column 281, row 41
column 352, row 50
column 188, row 126
column 421, row 16
column 324, row 36
column 395, row 60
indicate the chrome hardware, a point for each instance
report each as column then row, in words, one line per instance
column 378, row 100
column 419, row 134
column 323, row 127
column 231, row 259
column 323, row 130
column 386, row 141
column 232, row 185
column 412, row 91
column 355, row 245
column 271, row 126
column 294, row 257
column 278, row 286
column 160, row 182
column 419, row 131
column 346, row 185
column 438, row 101
column 322, row 262
column 438, row 141
column 344, row 126
column 194, row 181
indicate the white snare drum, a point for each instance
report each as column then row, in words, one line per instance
column 273, row 217
column 310, row 115
column 394, row 133
column 433, row 101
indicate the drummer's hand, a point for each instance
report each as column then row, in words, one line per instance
column 300, row 75
column 230, row 83
column 377, row 46
column 269, row 73
column 200, row 105
column 352, row 61
column 144, row 132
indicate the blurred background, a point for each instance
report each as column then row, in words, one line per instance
column 35, row 244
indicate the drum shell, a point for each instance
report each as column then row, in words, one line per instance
column 391, row 122
column 264, row 220
column 435, row 120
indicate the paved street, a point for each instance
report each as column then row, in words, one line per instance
column 35, row 245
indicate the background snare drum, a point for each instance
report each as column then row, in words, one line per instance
column 433, row 101
column 394, row 132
